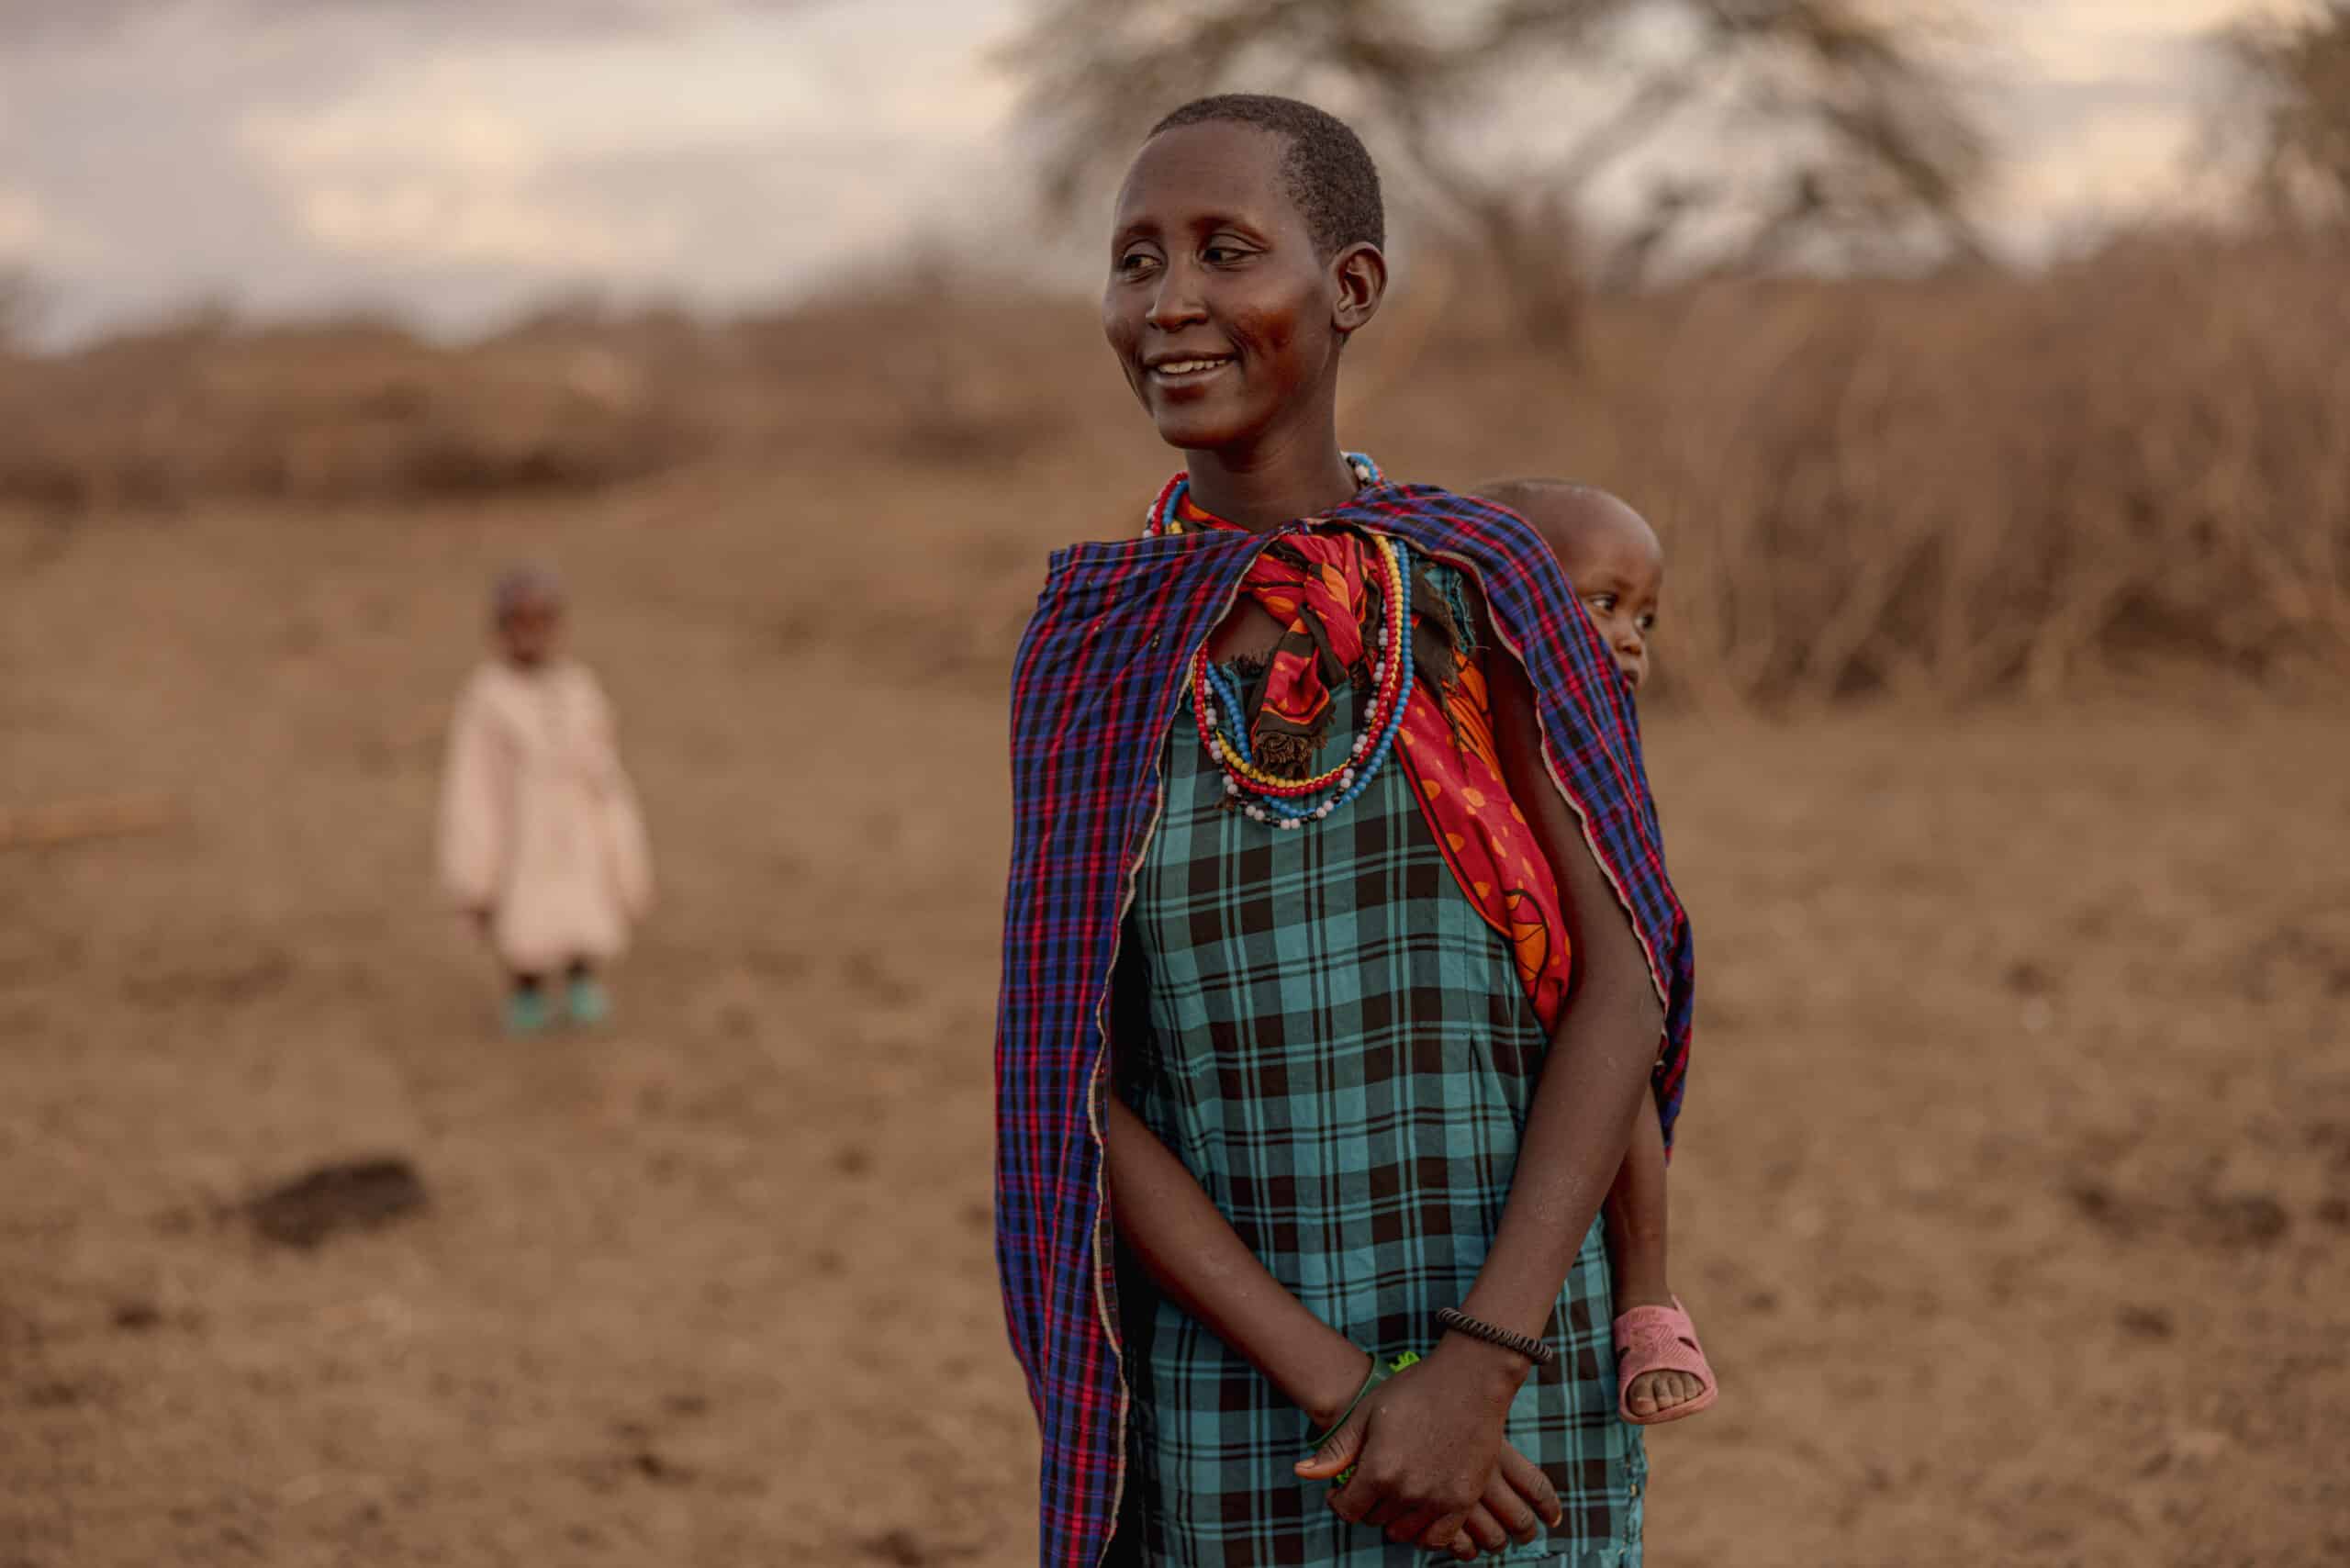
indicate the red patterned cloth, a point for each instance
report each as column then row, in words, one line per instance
column 1320, row 586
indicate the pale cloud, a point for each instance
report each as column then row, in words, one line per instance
column 2097, row 40
column 456, row 157
column 55, row 25
column 2123, row 160
column 32, row 237
column 712, row 162
column 2098, row 106
column 421, row 173
column 433, row 223
column 436, row 129
column 21, row 228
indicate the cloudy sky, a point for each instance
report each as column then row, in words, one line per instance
column 455, row 158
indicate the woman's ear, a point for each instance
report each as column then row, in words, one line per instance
column 1361, row 273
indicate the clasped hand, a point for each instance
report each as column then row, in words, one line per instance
column 1431, row 1466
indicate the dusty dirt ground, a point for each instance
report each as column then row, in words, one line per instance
column 2014, row 1199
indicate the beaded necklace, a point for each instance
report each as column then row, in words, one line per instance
column 1264, row 796
column 1163, row 516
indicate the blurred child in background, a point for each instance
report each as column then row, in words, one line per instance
column 1615, row 566
column 541, row 839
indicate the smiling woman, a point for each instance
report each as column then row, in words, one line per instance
column 1338, row 948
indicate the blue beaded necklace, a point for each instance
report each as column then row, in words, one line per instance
column 1217, row 696
column 1351, row 783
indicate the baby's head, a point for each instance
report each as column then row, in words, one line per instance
column 526, row 615
column 1608, row 552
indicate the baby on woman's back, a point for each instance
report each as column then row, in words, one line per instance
column 1616, row 567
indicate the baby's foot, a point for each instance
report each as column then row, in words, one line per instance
column 1652, row 1393
column 1660, row 1370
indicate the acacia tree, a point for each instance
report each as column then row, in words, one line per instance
column 1567, row 141
column 2293, row 109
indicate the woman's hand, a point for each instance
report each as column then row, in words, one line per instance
column 1430, row 1466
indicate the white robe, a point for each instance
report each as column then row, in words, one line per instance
column 539, row 823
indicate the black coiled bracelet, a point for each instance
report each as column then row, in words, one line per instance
column 1454, row 1321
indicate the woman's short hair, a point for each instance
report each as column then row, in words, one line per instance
column 1326, row 168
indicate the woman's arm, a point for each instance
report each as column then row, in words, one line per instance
column 1600, row 1061
column 1429, row 1441
column 1195, row 1255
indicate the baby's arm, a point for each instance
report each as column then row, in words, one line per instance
column 1636, row 1216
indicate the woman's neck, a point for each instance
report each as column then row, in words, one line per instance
column 1279, row 481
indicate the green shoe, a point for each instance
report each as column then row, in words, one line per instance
column 588, row 1002
column 527, row 1015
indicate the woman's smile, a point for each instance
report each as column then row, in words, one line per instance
column 1186, row 372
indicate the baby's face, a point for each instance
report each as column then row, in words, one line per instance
column 1613, row 560
column 1620, row 595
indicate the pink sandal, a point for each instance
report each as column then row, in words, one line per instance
column 1660, row 1338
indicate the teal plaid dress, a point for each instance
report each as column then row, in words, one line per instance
column 1339, row 1048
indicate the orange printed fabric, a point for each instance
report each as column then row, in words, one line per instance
column 1456, row 774
column 1318, row 587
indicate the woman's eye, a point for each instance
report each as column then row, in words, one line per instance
column 1135, row 262
column 1223, row 255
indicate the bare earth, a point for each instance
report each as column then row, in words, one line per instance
column 2014, row 1198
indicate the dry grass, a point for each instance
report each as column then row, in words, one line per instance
column 1979, row 483
column 1950, row 487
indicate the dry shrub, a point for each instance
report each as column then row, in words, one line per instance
column 574, row 396
column 1981, row 483
column 923, row 367
column 343, row 409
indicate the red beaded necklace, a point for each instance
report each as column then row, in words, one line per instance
column 1216, row 707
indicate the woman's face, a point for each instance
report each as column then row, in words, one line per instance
column 1222, row 315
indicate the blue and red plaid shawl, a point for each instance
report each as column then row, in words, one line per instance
column 1094, row 692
